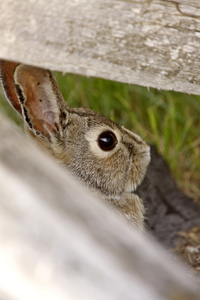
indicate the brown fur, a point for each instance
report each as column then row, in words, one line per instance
column 71, row 134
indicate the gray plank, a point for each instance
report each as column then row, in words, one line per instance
column 59, row 242
column 152, row 43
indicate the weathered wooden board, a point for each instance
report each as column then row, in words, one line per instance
column 147, row 42
column 59, row 242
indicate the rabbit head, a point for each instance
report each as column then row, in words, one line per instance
column 107, row 158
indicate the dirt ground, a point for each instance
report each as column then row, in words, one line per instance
column 188, row 248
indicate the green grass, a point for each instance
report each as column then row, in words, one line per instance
column 168, row 119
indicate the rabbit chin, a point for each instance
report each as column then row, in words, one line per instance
column 131, row 186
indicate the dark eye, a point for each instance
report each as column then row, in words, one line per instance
column 107, row 140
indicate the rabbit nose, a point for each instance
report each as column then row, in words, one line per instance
column 138, row 148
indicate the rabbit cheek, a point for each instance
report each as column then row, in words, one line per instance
column 112, row 173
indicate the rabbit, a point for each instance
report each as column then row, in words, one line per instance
column 109, row 159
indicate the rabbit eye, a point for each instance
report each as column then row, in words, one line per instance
column 107, row 140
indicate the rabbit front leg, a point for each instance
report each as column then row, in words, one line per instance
column 132, row 207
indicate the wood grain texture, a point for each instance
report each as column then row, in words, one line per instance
column 59, row 242
column 147, row 42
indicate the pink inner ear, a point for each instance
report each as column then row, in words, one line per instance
column 38, row 99
column 7, row 72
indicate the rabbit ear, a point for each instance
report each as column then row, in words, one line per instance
column 6, row 74
column 41, row 102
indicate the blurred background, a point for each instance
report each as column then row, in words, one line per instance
column 170, row 120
